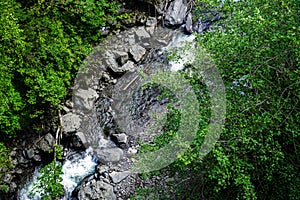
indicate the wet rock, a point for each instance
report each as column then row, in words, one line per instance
column 109, row 154
column 117, row 177
column 84, row 99
column 81, row 137
column 96, row 189
column 176, row 13
column 46, row 143
column 119, row 138
column 70, row 122
column 137, row 52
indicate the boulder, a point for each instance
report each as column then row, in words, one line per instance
column 117, row 177
column 176, row 13
column 85, row 99
column 46, row 143
column 70, row 122
column 81, row 137
column 30, row 153
column 119, row 138
column 114, row 66
column 141, row 33
column 96, row 189
column 137, row 52
column 128, row 66
column 109, row 154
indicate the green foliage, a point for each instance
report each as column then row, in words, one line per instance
column 258, row 48
column 42, row 45
column 5, row 166
column 257, row 52
column 48, row 185
column 12, row 46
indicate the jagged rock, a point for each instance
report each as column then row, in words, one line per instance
column 137, row 52
column 109, row 154
column 70, row 122
column 128, row 66
column 122, row 57
column 96, row 189
column 46, row 143
column 142, row 33
column 176, row 13
column 114, row 66
column 117, row 177
column 189, row 23
column 120, row 138
column 84, row 99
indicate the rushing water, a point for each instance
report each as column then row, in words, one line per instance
column 77, row 166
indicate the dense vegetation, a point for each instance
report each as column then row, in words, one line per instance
column 42, row 44
column 257, row 47
column 257, row 51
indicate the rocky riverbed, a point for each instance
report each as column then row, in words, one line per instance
column 89, row 118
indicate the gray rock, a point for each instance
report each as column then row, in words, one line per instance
column 189, row 23
column 70, row 122
column 46, row 143
column 137, row 52
column 96, row 190
column 109, row 154
column 117, row 177
column 176, row 13
column 122, row 57
column 129, row 66
column 37, row 158
column 102, row 168
column 81, row 137
column 151, row 23
column 105, row 77
column 114, row 66
column 30, row 153
column 142, row 33
column 120, row 138
column 111, row 63
column 85, row 99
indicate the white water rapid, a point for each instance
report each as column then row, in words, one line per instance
column 75, row 169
